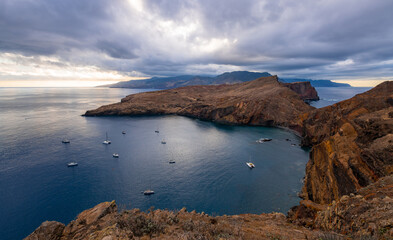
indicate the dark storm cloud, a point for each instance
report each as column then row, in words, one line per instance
column 169, row 37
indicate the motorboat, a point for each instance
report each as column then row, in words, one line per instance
column 123, row 132
column 107, row 141
column 65, row 140
column 172, row 161
column 156, row 131
column 72, row 164
column 250, row 165
column 148, row 192
column 262, row 140
column 115, row 155
column 163, row 141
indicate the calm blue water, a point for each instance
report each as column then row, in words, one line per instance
column 209, row 175
column 331, row 95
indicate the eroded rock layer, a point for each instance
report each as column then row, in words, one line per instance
column 264, row 101
column 352, row 144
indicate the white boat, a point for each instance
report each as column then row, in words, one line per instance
column 163, row 141
column 115, row 155
column 262, row 140
column 250, row 165
column 123, row 132
column 148, row 192
column 65, row 140
column 72, row 164
column 107, row 141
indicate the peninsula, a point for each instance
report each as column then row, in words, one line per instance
column 264, row 102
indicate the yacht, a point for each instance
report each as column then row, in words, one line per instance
column 163, row 141
column 107, row 141
column 115, row 155
column 250, row 165
column 65, row 140
column 72, row 164
column 148, row 192
column 262, row 140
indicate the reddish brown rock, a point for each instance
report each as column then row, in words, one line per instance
column 304, row 89
column 352, row 144
column 368, row 212
column 264, row 101
column 49, row 230
column 103, row 222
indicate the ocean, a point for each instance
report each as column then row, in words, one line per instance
column 209, row 173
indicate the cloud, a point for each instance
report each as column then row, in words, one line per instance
column 319, row 39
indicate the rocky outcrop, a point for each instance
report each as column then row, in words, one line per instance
column 103, row 222
column 366, row 212
column 304, row 89
column 352, row 144
column 49, row 230
column 264, row 101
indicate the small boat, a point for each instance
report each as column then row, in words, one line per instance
column 72, row 164
column 148, row 192
column 262, row 140
column 172, row 161
column 65, row 140
column 156, row 131
column 250, row 165
column 115, row 155
column 163, row 141
column 107, row 141
column 123, row 132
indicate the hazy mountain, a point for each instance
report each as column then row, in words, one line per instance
column 225, row 78
column 189, row 80
column 315, row 83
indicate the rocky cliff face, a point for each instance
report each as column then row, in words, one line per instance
column 352, row 144
column 304, row 89
column 103, row 222
column 264, row 101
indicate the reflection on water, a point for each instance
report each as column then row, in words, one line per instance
column 209, row 175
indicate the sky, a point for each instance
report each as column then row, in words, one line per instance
column 93, row 42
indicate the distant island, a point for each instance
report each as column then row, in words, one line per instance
column 225, row 78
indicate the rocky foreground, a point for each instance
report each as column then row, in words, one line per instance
column 264, row 102
column 104, row 222
column 348, row 186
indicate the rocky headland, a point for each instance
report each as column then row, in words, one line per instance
column 348, row 187
column 264, row 101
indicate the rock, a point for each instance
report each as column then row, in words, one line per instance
column 304, row 89
column 370, row 215
column 351, row 145
column 48, row 230
column 104, row 223
column 264, row 101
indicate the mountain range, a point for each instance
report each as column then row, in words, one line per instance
column 225, row 78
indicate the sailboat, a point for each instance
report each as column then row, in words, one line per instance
column 250, row 164
column 72, row 164
column 157, row 131
column 163, row 141
column 65, row 140
column 107, row 141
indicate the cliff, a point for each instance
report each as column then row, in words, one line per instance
column 264, row 102
column 352, row 144
column 104, row 222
